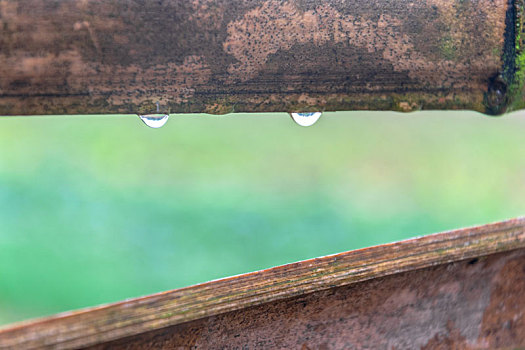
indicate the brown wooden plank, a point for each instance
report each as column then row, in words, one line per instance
column 470, row 304
column 220, row 56
column 116, row 321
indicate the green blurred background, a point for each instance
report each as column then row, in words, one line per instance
column 95, row 209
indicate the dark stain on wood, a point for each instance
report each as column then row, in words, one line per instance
column 219, row 56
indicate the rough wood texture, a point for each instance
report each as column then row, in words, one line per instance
column 135, row 317
column 220, row 56
column 471, row 304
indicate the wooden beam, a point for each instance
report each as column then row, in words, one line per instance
column 139, row 316
column 469, row 304
column 218, row 56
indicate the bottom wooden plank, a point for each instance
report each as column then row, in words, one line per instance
column 463, row 287
column 471, row 304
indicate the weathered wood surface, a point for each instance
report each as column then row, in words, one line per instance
column 488, row 295
column 220, row 56
column 470, row 304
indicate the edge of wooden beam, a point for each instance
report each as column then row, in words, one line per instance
column 109, row 322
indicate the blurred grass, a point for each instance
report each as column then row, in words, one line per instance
column 95, row 209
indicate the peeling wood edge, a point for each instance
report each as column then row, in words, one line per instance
column 114, row 321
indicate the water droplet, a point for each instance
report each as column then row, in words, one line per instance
column 154, row 120
column 306, row 119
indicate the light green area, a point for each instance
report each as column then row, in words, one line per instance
column 98, row 209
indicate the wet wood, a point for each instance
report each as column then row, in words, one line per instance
column 222, row 56
column 470, row 304
column 461, row 287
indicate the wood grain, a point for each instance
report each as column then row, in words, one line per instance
column 469, row 304
column 116, row 321
column 222, row 56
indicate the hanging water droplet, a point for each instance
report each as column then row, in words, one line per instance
column 154, row 120
column 306, row 119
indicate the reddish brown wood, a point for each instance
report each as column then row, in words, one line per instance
column 220, row 56
column 469, row 304
column 209, row 300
